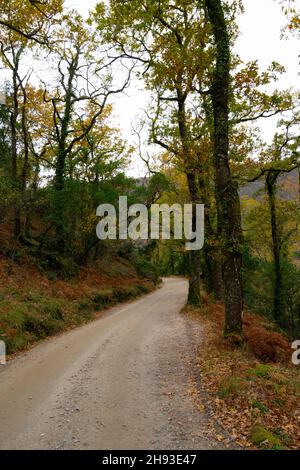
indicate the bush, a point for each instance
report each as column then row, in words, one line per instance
column 42, row 327
column 139, row 258
column 146, row 269
column 85, row 306
column 258, row 280
column 267, row 346
column 54, row 310
column 121, row 294
column 143, row 288
column 102, row 298
column 17, row 342
column 291, row 298
column 55, row 266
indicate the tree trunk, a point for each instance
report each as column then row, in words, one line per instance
column 212, row 253
column 212, row 247
column 14, row 155
column 271, row 190
column 227, row 193
column 60, row 165
column 25, row 168
column 213, row 275
column 194, row 295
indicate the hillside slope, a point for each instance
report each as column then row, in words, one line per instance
column 36, row 303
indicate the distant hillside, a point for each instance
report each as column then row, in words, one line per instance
column 289, row 187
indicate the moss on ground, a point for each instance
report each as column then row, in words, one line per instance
column 263, row 438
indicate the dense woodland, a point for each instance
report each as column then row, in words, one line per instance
column 61, row 154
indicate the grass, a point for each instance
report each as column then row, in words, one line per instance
column 26, row 322
column 262, row 371
column 231, row 386
column 260, row 406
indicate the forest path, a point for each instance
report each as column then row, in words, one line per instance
column 120, row 382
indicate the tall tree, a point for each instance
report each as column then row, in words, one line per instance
column 282, row 157
column 228, row 202
column 167, row 38
column 83, row 79
column 30, row 19
column 11, row 53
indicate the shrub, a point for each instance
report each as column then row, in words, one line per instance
column 121, row 294
column 258, row 281
column 85, row 306
column 267, row 346
column 41, row 327
column 146, row 269
column 54, row 310
column 17, row 342
column 143, row 288
column 55, row 266
column 102, row 298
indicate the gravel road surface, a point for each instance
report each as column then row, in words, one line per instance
column 120, row 382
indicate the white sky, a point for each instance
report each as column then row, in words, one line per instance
column 261, row 26
column 260, row 39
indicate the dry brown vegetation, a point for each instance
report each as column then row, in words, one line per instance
column 34, row 304
column 253, row 391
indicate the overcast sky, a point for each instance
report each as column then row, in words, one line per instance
column 261, row 26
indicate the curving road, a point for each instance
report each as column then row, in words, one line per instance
column 120, row 382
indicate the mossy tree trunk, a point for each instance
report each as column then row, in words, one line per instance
column 226, row 191
column 62, row 125
column 212, row 253
column 194, row 295
column 271, row 180
column 14, row 66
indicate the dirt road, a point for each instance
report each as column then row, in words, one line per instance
column 120, row 382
